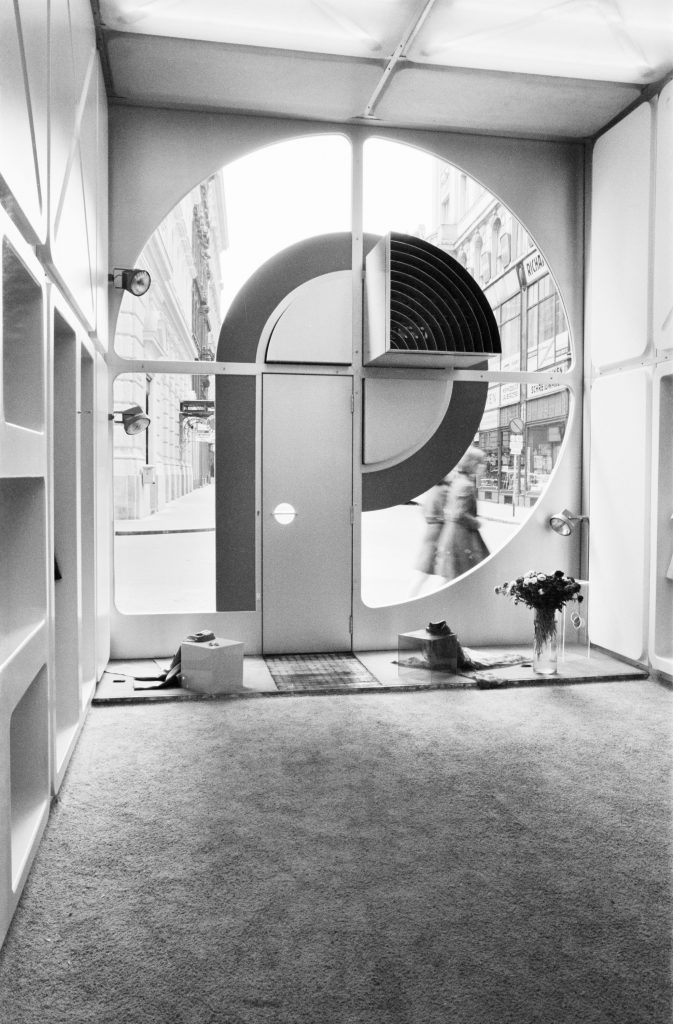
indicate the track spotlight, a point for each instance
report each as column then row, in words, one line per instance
column 563, row 522
column 133, row 419
column 134, row 281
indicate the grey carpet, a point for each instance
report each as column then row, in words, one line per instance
column 443, row 857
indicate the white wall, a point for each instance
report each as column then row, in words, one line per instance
column 629, row 372
column 54, row 634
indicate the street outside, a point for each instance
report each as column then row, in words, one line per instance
column 166, row 562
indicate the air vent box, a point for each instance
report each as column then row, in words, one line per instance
column 423, row 309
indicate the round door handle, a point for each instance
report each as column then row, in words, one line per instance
column 284, row 513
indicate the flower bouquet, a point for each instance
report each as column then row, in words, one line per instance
column 546, row 594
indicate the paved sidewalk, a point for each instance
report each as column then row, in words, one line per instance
column 192, row 512
column 500, row 513
column 166, row 562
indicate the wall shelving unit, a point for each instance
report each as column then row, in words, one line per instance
column 54, row 434
column 24, row 595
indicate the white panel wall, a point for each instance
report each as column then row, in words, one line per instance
column 661, row 566
column 24, row 94
column 661, row 592
column 619, row 269
column 663, row 223
column 72, row 252
column 53, row 333
column 619, row 512
column 629, row 302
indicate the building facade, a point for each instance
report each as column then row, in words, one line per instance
column 524, row 424
column 177, row 319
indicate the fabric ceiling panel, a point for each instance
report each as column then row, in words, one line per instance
column 153, row 70
column 496, row 101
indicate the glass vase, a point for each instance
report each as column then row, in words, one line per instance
column 545, row 645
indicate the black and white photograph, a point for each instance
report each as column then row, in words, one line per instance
column 336, row 512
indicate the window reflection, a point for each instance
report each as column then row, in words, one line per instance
column 520, row 461
column 523, row 425
column 164, row 503
column 547, row 329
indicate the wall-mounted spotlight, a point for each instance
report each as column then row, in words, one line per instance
column 134, row 281
column 133, row 419
column 563, row 522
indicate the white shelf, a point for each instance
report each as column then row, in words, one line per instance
column 21, row 667
column 22, row 452
column 23, row 595
column 24, row 642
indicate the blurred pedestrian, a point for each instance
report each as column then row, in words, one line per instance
column 432, row 504
column 460, row 545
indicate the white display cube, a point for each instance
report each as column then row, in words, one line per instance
column 215, row 666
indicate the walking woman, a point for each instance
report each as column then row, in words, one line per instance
column 460, row 546
column 432, row 505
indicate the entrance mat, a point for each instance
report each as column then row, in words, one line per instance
column 297, row 673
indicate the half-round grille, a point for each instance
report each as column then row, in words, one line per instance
column 432, row 307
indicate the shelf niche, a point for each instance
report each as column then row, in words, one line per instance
column 22, row 343
column 66, row 484
column 23, row 595
column 29, row 771
column 87, row 528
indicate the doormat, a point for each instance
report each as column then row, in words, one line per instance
column 300, row 673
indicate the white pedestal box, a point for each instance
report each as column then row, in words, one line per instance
column 212, row 667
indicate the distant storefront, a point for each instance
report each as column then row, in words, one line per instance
column 523, row 426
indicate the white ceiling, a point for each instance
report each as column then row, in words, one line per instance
column 550, row 68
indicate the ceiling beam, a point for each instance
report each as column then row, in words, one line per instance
column 399, row 54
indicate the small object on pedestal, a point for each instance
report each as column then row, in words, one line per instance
column 427, row 655
column 545, row 643
column 214, row 667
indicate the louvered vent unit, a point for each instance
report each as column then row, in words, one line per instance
column 422, row 308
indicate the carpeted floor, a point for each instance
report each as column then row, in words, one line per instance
column 441, row 857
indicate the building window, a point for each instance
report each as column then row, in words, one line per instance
column 475, row 269
column 462, row 198
column 547, row 328
column 485, row 267
column 504, row 250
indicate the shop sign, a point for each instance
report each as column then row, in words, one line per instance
column 200, row 407
column 510, row 393
column 533, row 267
column 535, row 390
